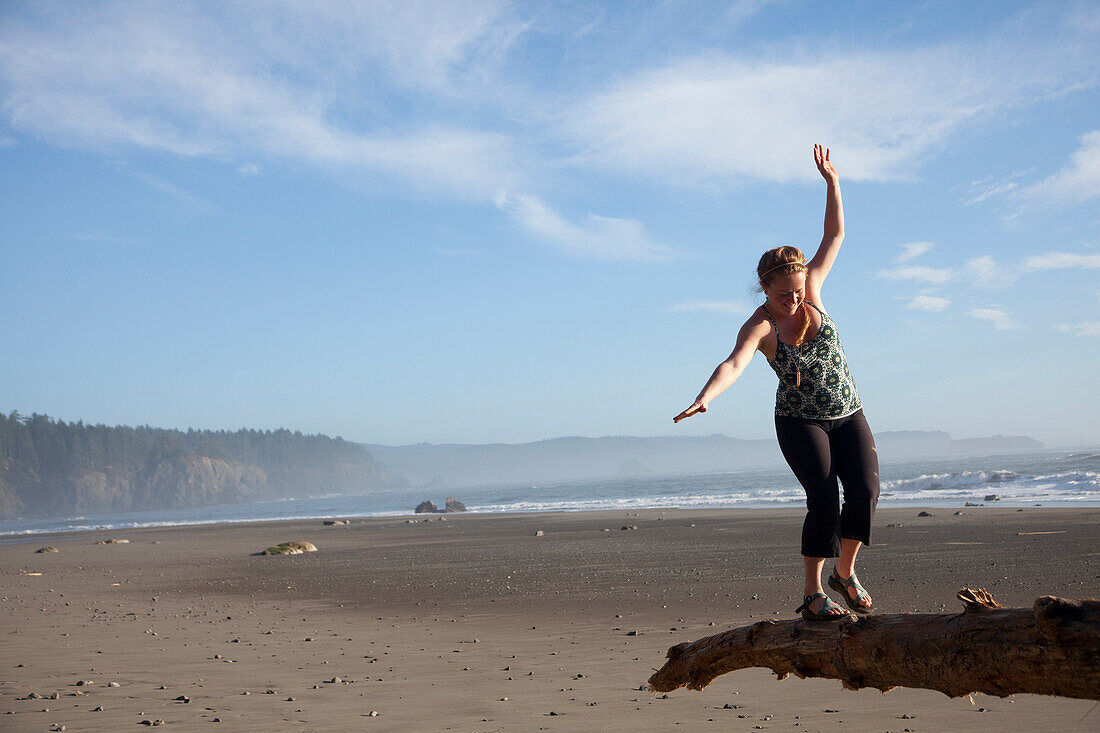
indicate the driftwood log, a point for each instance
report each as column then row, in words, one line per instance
column 1050, row 649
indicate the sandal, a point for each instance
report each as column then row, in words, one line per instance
column 821, row 615
column 841, row 586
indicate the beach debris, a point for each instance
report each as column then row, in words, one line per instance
column 113, row 541
column 626, row 527
column 158, row 721
column 991, row 497
column 426, row 507
column 182, row 698
column 336, row 522
column 290, row 548
column 1052, row 648
column 1049, row 531
column 47, row 548
column 539, row 533
column 926, row 514
column 453, row 505
column 83, row 683
column 113, row 684
column 372, row 714
column 959, row 513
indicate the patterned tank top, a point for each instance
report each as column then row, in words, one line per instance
column 825, row 388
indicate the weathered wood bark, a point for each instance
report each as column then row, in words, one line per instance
column 1050, row 649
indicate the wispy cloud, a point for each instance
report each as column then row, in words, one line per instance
column 929, row 303
column 188, row 199
column 596, row 237
column 912, row 250
column 1061, row 261
column 985, row 272
column 1077, row 182
column 990, row 189
column 711, row 306
column 1086, row 328
column 919, row 273
column 1000, row 320
column 729, row 118
column 246, row 170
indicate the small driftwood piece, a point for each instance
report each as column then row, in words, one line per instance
column 1052, row 648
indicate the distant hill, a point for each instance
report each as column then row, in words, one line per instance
column 50, row 468
column 563, row 459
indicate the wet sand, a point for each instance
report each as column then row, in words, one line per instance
column 477, row 624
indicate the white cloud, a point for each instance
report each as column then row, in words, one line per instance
column 1061, row 261
column 985, row 272
column 711, row 306
column 929, row 303
column 599, row 237
column 912, row 250
column 1087, row 328
column 720, row 117
column 304, row 83
column 1000, row 320
column 741, row 10
column 934, row 275
column 989, row 189
column 1077, row 182
column 173, row 78
column 246, row 170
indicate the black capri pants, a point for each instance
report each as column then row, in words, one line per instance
column 820, row 452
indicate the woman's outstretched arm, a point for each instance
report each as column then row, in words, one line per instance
column 834, row 222
column 726, row 373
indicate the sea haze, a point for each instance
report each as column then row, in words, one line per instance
column 1043, row 478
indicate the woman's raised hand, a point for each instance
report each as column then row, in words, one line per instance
column 824, row 167
column 698, row 407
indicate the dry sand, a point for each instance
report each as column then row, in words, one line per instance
column 477, row 624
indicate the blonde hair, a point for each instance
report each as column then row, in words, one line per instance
column 785, row 260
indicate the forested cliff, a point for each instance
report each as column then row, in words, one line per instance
column 50, row 467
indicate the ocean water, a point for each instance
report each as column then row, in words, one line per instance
column 1061, row 478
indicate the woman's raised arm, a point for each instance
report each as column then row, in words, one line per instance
column 822, row 262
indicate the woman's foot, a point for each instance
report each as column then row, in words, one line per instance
column 856, row 596
column 817, row 606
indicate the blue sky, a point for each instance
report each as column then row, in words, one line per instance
column 474, row 222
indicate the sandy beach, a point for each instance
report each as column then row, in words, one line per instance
column 477, row 623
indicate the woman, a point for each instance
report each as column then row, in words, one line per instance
column 818, row 417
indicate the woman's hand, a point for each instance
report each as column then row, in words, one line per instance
column 824, row 167
column 698, row 407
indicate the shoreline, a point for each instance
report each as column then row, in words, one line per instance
column 473, row 622
column 31, row 535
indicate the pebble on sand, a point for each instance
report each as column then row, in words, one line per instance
column 113, row 541
column 336, row 522
column 47, row 548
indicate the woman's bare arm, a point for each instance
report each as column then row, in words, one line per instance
column 826, row 254
column 726, row 373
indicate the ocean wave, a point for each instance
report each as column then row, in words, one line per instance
column 1006, row 485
